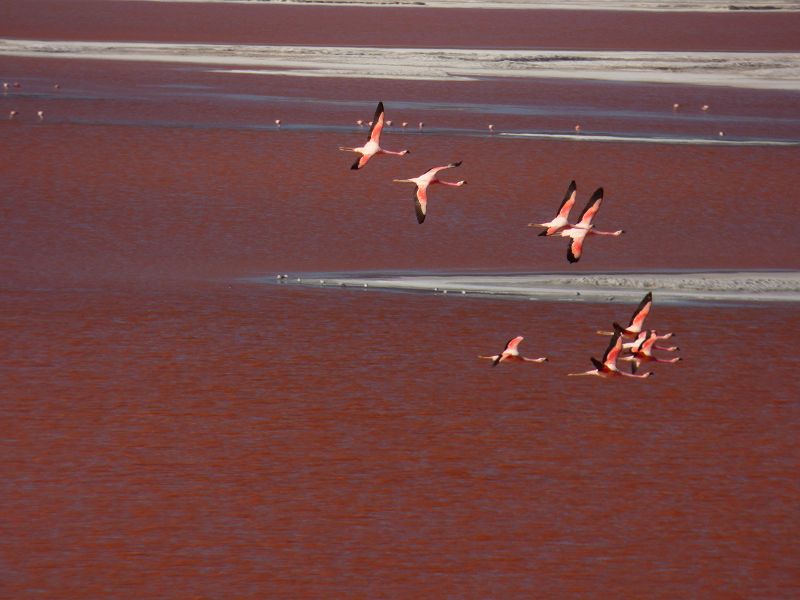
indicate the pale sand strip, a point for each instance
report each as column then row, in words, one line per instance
column 739, row 286
column 767, row 70
column 619, row 5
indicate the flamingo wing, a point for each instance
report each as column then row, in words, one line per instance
column 568, row 201
column 377, row 124
column 591, row 208
column 641, row 312
column 575, row 248
column 613, row 350
column 597, row 364
column 435, row 170
column 421, row 202
column 512, row 344
column 361, row 161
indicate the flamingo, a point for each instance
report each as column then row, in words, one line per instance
column 561, row 219
column 12, row 113
column 277, row 123
column 421, row 126
column 636, row 323
column 607, row 367
column 584, row 228
column 372, row 147
column 423, row 181
column 630, row 346
column 40, row 114
column 643, row 352
column 491, row 128
column 511, row 354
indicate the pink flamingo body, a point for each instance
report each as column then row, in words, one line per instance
column 584, row 228
column 642, row 352
column 511, row 354
column 373, row 145
column 630, row 346
column 423, row 182
column 561, row 220
column 607, row 368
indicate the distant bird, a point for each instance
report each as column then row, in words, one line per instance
column 421, row 125
column 40, row 114
column 373, row 146
column 607, row 367
column 584, row 228
column 561, row 220
column 360, row 123
column 5, row 85
column 56, row 86
column 676, row 106
column 491, row 128
column 636, row 324
column 277, row 122
column 577, row 128
column 642, row 352
column 12, row 113
column 423, row 181
column 389, row 123
column 404, row 124
column 705, row 107
column 721, row 134
column 17, row 84
column 511, row 354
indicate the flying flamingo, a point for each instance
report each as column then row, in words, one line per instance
column 607, row 367
column 511, row 354
column 643, row 352
column 561, row 219
column 636, row 323
column 630, row 346
column 423, row 181
column 584, row 228
column 373, row 146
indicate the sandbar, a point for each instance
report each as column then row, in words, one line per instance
column 754, row 70
column 674, row 287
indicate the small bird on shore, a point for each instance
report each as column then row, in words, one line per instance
column 373, row 145
column 511, row 354
column 423, row 182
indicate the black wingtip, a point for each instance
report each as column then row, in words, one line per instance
column 598, row 193
column 572, row 186
column 544, row 233
column 570, row 256
column 618, row 327
column 456, row 164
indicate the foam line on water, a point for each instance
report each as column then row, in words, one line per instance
column 694, row 141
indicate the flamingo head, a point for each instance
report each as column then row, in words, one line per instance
column 619, row 232
column 460, row 183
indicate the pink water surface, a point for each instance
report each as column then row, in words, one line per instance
column 171, row 428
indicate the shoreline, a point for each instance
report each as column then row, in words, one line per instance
column 577, row 5
column 751, row 70
column 674, row 287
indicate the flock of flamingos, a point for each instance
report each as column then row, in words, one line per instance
column 642, row 342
